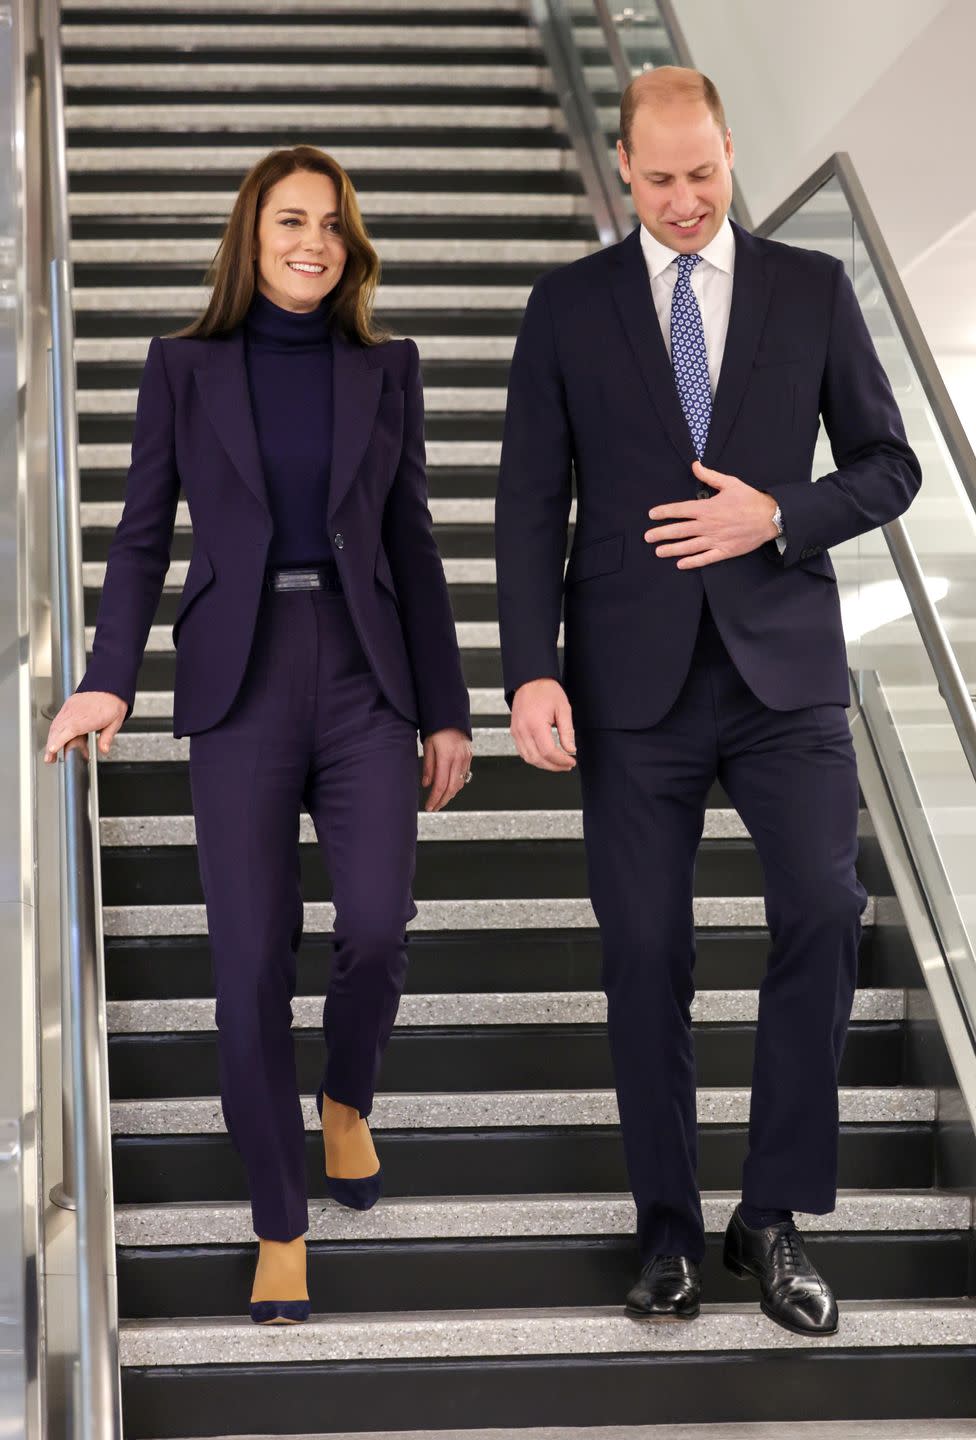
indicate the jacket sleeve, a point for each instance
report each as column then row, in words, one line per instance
column 425, row 604
column 533, row 503
column 878, row 474
column 138, row 557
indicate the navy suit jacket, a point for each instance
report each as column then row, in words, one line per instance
column 591, row 390
column 195, row 427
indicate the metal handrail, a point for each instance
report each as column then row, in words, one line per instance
column 952, row 685
column 840, row 167
column 88, row 1139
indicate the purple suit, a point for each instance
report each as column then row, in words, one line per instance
column 194, row 426
column 302, row 698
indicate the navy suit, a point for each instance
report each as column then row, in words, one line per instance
column 299, row 698
column 735, row 671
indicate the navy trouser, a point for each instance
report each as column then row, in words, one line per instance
column 309, row 728
column 792, row 777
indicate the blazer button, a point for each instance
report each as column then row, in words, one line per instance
column 338, row 542
column 704, row 493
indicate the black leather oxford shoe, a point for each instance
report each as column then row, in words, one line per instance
column 792, row 1292
column 669, row 1288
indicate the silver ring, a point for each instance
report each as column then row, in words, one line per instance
column 468, row 777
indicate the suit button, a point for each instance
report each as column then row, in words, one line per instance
column 704, row 493
column 339, row 542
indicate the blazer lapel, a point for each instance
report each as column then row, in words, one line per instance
column 224, row 389
column 356, row 393
column 632, row 295
column 752, row 287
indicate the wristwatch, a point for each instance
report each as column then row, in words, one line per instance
column 778, row 519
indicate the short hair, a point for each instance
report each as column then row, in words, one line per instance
column 668, row 85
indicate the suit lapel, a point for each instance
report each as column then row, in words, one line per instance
column 752, row 287
column 631, row 289
column 356, row 393
column 223, row 386
column 751, row 291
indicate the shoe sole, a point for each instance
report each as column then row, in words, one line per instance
column 662, row 1319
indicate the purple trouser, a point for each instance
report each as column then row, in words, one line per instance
column 310, row 727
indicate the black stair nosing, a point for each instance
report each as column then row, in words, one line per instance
column 217, row 136
column 510, row 869
column 481, row 668
column 470, row 426
column 528, row 58
column 76, row 93
column 471, row 181
column 457, row 323
column 480, row 962
column 381, row 227
column 360, row 1277
column 784, row 1385
column 471, row 1059
column 504, row 783
column 409, row 14
column 571, row 1160
column 454, row 541
column 471, row 603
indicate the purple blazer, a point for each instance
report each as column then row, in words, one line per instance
column 194, row 428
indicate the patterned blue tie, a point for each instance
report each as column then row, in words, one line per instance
column 689, row 358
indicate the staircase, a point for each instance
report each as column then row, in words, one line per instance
column 486, row 1289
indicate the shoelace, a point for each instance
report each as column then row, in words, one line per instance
column 786, row 1247
column 668, row 1264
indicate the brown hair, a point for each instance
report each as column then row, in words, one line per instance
column 668, row 84
column 232, row 272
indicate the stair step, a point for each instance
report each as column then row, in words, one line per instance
column 179, row 299
column 238, row 35
column 216, row 159
column 230, row 116
column 217, row 204
column 580, row 1007
column 584, row 1331
column 865, row 1105
column 798, row 1430
column 496, row 914
column 122, row 349
column 468, row 1217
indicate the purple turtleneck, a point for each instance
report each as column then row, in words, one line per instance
column 288, row 355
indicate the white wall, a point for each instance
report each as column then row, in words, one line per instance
column 891, row 82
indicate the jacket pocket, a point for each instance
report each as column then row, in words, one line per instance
column 598, row 557
column 819, row 565
column 383, row 573
column 199, row 575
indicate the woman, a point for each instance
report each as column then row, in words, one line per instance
column 314, row 636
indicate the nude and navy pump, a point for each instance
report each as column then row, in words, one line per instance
column 279, row 1312
column 359, row 1194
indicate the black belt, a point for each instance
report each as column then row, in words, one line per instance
column 305, row 577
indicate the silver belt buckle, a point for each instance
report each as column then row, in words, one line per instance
column 298, row 580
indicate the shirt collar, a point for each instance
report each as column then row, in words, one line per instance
column 719, row 251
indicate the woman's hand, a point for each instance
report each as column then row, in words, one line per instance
column 447, row 759
column 80, row 714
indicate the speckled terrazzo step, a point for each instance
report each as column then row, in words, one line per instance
column 158, row 704
column 498, row 1216
column 358, row 159
column 581, row 1007
column 456, row 572
column 865, row 1105
column 542, row 914
column 132, row 350
column 106, row 514
column 180, row 299
column 471, row 635
column 528, row 1332
column 216, row 204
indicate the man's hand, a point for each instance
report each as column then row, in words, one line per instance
column 447, row 759
column 737, row 519
column 537, row 707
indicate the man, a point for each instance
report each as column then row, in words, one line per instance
column 681, row 374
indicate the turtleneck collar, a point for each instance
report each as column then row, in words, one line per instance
column 272, row 324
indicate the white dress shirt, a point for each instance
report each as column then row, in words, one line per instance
column 711, row 284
